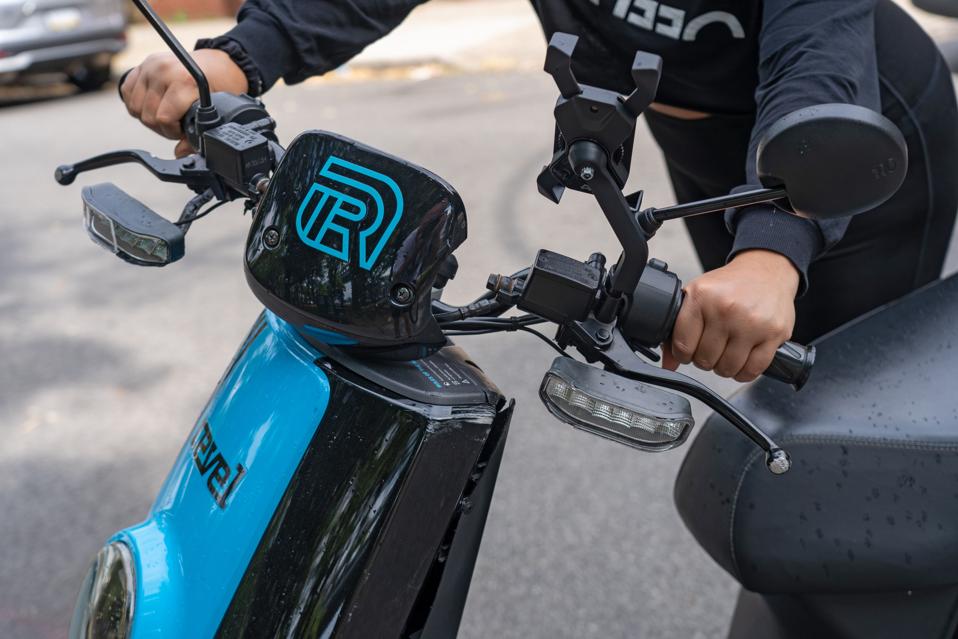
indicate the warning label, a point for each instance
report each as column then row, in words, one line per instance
column 442, row 374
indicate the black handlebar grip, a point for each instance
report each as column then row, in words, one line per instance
column 655, row 306
column 792, row 364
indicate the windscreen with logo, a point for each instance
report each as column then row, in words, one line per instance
column 347, row 240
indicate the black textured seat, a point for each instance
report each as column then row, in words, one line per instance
column 871, row 502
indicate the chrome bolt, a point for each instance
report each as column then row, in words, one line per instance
column 402, row 294
column 778, row 462
column 271, row 238
column 587, row 173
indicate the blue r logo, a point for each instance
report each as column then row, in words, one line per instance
column 373, row 202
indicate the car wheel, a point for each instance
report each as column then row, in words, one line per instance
column 91, row 78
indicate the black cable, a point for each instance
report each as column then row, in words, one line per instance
column 485, row 304
column 495, row 324
column 500, row 325
column 510, row 324
column 209, row 210
column 190, row 210
column 551, row 342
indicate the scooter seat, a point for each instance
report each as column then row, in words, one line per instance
column 871, row 501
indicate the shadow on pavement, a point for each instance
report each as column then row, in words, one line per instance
column 40, row 89
column 51, row 531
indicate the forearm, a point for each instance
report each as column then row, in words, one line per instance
column 296, row 39
column 815, row 52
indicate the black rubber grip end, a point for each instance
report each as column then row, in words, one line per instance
column 792, row 364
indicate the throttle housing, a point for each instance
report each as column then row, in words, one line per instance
column 649, row 318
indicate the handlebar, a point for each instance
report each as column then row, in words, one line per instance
column 562, row 289
column 792, row 363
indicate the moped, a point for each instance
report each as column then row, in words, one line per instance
column 338, row 481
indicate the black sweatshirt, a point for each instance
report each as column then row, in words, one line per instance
column 767, row 57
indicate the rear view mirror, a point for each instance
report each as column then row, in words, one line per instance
column 833, row 160
column 129, row 228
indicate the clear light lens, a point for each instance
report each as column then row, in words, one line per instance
column 107, row 233
column 142, row 247
column 610, row 406
column 579, row 404
column 99, row 226
column 104, row 609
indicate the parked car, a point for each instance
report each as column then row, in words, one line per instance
column 76, row 37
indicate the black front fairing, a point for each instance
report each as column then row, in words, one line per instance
column 342, row 228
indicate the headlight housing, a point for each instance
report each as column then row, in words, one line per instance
column 611, row 406
column 104, row 608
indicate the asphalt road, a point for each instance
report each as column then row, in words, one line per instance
column 105, row 366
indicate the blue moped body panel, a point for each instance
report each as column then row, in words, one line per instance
column 311, row 500
column 208, row 518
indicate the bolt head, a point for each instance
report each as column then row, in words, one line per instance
column 587, row 173
column 402, row 295
column 271, row 238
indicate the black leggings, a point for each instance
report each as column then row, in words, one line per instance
column 886, row 252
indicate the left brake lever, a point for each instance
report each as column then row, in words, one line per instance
column 621, row 359
column 190, row 170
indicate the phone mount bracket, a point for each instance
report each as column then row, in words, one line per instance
column 595, row 130
column 585, row 112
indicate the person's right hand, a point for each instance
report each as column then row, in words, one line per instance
column 160, row 90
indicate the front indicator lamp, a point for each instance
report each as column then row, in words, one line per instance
column 616, row 408
column 130, row 229
column 104, row 609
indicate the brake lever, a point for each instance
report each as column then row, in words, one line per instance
column 190, row 170
column 615, row 353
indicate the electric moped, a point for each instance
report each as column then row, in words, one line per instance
column 337, row 482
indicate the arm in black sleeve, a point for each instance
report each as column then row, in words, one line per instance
column 296, row 39
column 810, row 52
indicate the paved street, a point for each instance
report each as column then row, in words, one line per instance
column 105, row 366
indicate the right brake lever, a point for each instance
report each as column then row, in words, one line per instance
column 618, row 356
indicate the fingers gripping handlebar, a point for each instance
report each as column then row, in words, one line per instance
column 565, row 291
column 655, row 305
column 240, row 109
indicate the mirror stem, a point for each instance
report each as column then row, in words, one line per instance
column 201, row 82
column 652, row 219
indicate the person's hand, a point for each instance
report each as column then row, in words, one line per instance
column 160, row 90
column 734, row 318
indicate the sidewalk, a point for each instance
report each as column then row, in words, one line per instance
column 441, row 36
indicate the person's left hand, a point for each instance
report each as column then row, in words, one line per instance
column 734, row 318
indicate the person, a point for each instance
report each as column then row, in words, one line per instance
column 731, row 68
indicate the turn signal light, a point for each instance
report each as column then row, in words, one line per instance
column 614, row 407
